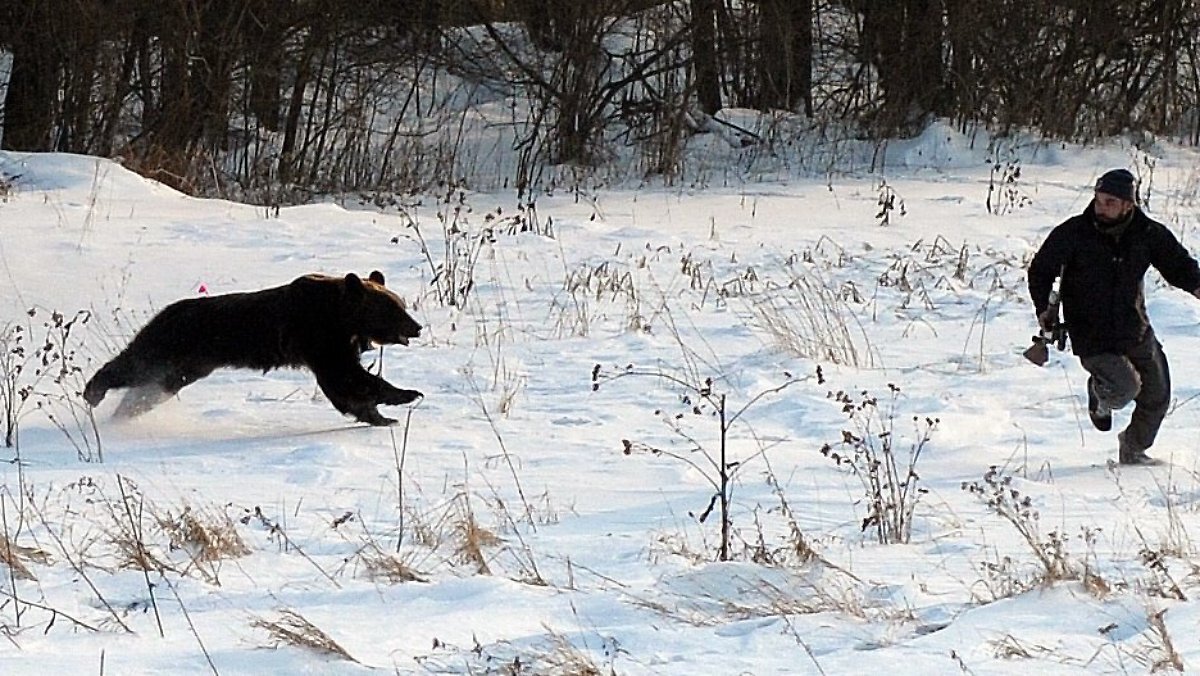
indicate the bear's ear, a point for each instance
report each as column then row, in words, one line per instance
column 377, row 277
column 354, row 286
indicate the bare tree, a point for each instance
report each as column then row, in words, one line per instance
column 903, row 41
column 30, row 30
column 259, row 93
column 704, row 49
column 785, row 54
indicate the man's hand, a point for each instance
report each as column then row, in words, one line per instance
column 1049, row 317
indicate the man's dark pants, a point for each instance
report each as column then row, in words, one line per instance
column 1139, row 375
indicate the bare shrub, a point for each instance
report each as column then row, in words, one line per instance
column 699, row 399
column 61, row 400
column 190, row 171
column 464, row 238
column 888, row 476
column 1006, row 194
column 44, row 368
column 890, row 204
column 14, row 392
column 1000, row 578
column 998, row 493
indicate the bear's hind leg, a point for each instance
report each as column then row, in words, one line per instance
column 141, row 398
column 146, row 395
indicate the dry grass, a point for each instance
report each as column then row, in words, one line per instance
column 7, row 186
column 1009, row 647
column 205, row 536
column 132, row 551
column 16, row 556
column 149, row 538
column 565, row 659
column 550, row 654
column 808, row 319
column 472, row 539
column 1167, row 658
column 593, row 292
column 292, row 629
column 381, row 566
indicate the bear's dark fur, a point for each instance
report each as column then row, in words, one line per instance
column 316, row 322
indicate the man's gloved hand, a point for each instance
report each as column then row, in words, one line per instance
column 1049, row 317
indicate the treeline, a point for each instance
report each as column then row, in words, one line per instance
column 329, row 94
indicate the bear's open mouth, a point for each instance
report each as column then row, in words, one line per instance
column 391, row 340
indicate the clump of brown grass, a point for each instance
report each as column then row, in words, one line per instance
column 564, row 658
column 15, row 556
column 552, row 653
column 204, row 535
column 1168, row 657
column 473, row 539
column 292, row 628
column 8, row 185
column 809, row 317
column 131, row 548
column 147, row 537
column 387, row 567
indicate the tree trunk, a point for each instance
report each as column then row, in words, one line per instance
column 173, row 126
column 924, row 38
column 785, row 54
column 962, row 22
column 218, row 44
column 288, row 159
column 32, row 85
column 903, row 40
column 802, row 55
column 264, row 42
column 80, row 65
column 704, row 50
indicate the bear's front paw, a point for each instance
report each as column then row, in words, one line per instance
column 372, row 417
column 400, row 397
column 93, row 394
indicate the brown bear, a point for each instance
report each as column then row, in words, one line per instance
column 317, row 322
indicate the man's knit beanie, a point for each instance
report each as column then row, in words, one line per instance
column 1118, row 183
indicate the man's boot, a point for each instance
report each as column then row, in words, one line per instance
column 1100, row 414
column 1130, row 456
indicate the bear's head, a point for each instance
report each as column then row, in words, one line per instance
column 375, row 314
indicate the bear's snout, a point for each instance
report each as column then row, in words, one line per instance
column 401, row 334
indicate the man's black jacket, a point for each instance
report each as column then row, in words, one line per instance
column 1102, row 299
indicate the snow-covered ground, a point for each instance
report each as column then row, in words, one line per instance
column 537, row 512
